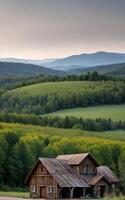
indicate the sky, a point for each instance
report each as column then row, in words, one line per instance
column 39, row 29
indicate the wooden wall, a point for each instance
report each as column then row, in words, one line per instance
column 45, row 185
column 87, row 167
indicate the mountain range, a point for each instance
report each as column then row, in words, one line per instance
column 103, row 62
column 87, row 60
column 75, row 61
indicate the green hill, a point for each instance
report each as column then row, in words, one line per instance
column 117, row 70
column 47, row 97
column 60, row 88
column 20, row 69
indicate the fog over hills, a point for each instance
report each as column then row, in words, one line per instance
column 28, row 61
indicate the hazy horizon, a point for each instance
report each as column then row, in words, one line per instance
column 54, row 58
column 41, row 29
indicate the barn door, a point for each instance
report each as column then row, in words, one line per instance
column 42, row 192
column 103, row 191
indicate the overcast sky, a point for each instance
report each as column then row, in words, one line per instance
column 57, row 28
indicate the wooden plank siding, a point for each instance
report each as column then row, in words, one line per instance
column 41, row 178
column 86, row 167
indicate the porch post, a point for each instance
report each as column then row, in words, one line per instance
column 106, row 191
column 71, row 193
column 58, row 193
column 84, row 190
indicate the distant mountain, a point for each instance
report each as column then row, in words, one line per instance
column 113, row 70
column 86, row 60
column 30, row 61
column 21, row 69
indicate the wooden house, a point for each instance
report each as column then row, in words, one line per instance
column 70, row 176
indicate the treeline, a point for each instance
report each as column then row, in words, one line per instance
column 65, row 122
column 19, row 152
column 101, row 93
column 15, row 82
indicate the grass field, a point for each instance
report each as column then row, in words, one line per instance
column 26, row 195
column 53, row 87
column 65, row 87
column 115, row 112
column 14, row 194
column 115, row 198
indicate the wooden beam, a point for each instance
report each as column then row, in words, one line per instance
column 71, row 193
column 84, row 192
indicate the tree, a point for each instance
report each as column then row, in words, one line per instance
column 122, row 169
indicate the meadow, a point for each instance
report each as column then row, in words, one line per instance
column 53, row 87
column 64, row 87
column 115, row 198
column 115, row 112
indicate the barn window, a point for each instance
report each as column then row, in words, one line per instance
column 33, row 189
column 50, row 189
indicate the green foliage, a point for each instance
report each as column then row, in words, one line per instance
column 113, row 70
column 9, row 82
column 98, row 124
column 122, row 168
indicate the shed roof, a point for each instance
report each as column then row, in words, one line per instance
column 63, row 174
column 96, row 179
column 75, row 159
column 108, row 174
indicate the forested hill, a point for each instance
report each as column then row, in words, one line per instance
column 20, row 69
column 47, row 97
column 116, row 70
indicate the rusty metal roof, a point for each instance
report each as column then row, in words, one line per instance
column 64, row 175
column 75, row 159
column 95, row 179
column 108, row 174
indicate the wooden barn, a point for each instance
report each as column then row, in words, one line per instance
column 70, row 176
